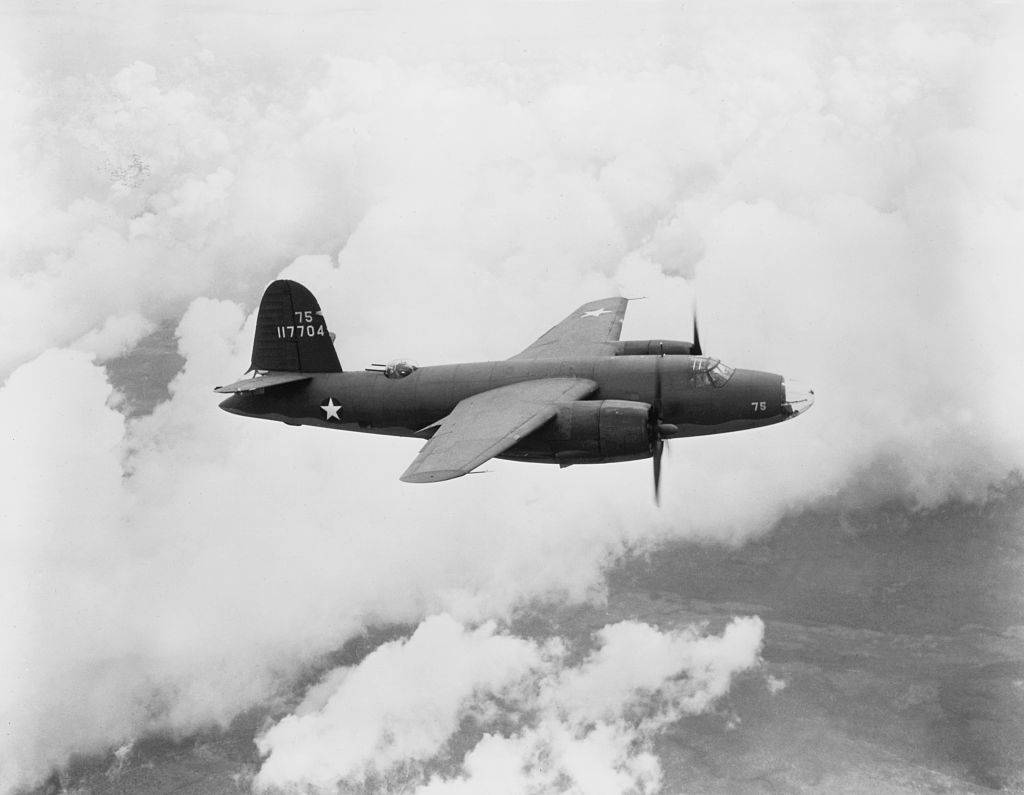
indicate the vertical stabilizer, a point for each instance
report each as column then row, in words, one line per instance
column 291, row 333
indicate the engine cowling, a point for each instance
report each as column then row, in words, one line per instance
column 590, row 430
column 653, row 348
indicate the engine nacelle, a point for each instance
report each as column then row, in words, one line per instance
column 586, row 430
column 653, row 348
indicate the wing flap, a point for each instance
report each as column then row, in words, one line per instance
column 484, row 425
column 592, row 330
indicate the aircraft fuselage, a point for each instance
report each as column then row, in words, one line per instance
column 372, row 403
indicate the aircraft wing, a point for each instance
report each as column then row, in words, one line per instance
column 592, row 330
column 484, row 425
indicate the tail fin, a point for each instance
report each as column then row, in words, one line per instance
column 291, row 333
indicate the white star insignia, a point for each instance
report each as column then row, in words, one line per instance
column 331, row 409
column 596, row 313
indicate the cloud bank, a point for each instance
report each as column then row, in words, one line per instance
column 845, row 187
column 532, row 720
column 177, row 569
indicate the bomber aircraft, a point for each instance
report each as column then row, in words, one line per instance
column 578, row 395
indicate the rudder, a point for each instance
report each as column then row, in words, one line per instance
column 291, row 333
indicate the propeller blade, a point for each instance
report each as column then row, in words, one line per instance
column 659, row 446
column 656, row 430
column 695, row 349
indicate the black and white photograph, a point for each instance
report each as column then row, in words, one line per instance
column 511, row 398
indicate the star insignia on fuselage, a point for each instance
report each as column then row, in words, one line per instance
column 331, row 409
column 596, row 313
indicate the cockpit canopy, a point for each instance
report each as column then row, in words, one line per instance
column 708, row 371
column 399, row 368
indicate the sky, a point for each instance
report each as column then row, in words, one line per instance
column 840, row 184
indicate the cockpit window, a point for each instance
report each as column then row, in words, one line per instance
column 708, row 371
column 720, row 374
column 399, row 368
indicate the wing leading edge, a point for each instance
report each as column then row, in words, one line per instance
column 484, row 425
column 592, row 330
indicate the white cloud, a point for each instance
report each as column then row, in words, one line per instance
column 400, row 705
column 775, row 685
column 117, row 336
column 167, row 573
column 395, row 716
column 845, row 186
column 637, row 657
column 53, row 617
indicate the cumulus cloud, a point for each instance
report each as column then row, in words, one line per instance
column 532, row 719
column 844, row 188
column 118, row 335
column 178, row 568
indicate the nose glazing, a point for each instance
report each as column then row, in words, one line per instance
column 797, row 397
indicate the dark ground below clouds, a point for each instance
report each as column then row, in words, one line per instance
column 894, row 640
column 897, row 638
column 142, row 374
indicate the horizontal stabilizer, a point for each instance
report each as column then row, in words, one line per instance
column 262, row 382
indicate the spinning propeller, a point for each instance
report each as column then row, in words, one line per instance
column 657, row 429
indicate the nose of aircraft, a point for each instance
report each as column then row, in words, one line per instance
column 797, row 397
